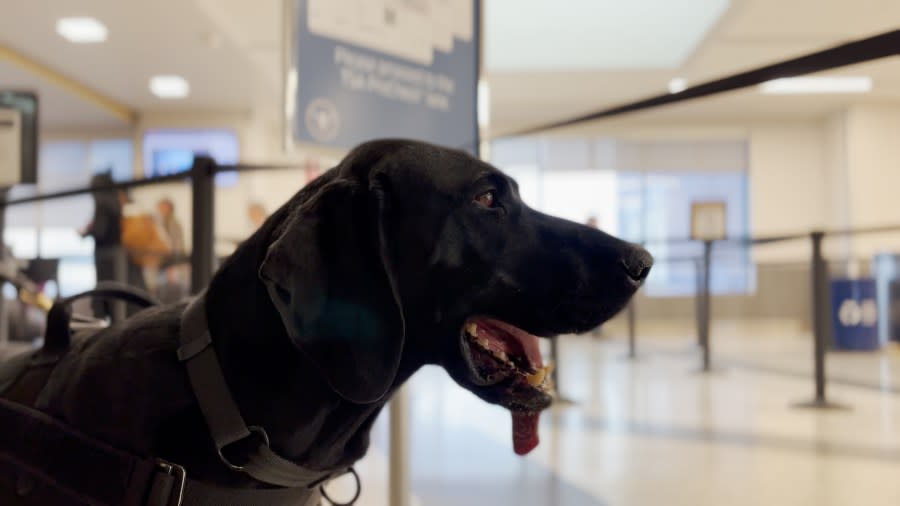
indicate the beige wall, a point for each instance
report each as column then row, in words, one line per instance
column 786, row 186
column 873, row 166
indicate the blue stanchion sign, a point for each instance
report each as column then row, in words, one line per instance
column 854, row 314
column 386, row 68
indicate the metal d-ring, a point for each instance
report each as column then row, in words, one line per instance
column 355, row 496
column 253, row 428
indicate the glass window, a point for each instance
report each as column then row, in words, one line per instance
column 529, row 179
column 665, row 209
column 114, row 155
column 643, row 194
column 173, row 150
column 50, row 229
column 577, row 195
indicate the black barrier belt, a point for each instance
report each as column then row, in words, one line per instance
column 858, row 51
column 181, row 176
column 251, row 168
column 768, row 239
column 136, row 183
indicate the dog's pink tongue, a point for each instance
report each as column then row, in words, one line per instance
column 525, row 431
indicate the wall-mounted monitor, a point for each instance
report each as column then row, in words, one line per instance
column 18, row 137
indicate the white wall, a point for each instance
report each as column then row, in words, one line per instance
column 873, row 166
column 837, row 181
column 786, row 168
column 787, row 186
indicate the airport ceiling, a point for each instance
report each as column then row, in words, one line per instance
column 231, row 53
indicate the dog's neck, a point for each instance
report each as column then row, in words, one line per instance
column 274, row 384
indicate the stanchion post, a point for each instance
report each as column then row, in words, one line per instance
column 704, row 304
column 554, row 374
column 820, row 303
column 698, row 300
column 820, row 322
column 4, row 312
column 398, row 455
column 203, row 194
column 632, row 345
column 554, row 357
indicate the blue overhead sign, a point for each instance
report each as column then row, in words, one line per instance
column 388, row 68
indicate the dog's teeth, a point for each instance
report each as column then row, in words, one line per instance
column 550, row 367
column 537, row 377
column 483, row 342
column 472, row 329
column 502, row 356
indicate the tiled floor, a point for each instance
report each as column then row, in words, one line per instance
column 657, row 432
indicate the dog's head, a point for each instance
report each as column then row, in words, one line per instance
column 410, row 253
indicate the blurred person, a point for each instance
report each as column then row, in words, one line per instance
column 257, row 214
column 165, row 208
column 106, row 230
column 143, row 240
column 174, row 270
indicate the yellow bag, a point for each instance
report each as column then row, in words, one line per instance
column 143, row 240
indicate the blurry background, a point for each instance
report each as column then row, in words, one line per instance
column 822, row 155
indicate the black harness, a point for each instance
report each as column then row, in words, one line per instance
column 45, row 462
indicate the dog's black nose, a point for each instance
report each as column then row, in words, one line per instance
column 637, row 263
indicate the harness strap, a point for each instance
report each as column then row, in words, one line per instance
column 226, row 425
column 56, row 464
column 199, row 494
column 57, row 336
column 44, row 449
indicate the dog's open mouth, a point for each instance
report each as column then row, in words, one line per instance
column 506, row 361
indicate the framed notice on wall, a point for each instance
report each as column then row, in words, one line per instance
column 393, row 68
column 708, row 221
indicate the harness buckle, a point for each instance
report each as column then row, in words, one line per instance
column 180, row 475
column 253, row 429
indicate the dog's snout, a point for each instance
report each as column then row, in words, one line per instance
column 637, row 263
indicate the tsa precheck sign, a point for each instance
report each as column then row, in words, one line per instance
column 390, row 68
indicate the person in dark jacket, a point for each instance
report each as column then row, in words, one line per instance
column 106, row 229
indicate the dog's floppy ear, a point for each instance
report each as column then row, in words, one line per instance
column 329, row 275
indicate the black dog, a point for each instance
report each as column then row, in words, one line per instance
column 403, row 255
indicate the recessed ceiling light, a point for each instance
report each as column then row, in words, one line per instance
column 169, row 86
column 798, row 85
column 678, row 85
column 81, row 30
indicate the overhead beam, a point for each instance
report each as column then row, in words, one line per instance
column 859, row 51
column 88, row 94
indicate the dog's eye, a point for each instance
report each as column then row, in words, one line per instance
column 485, row 199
